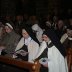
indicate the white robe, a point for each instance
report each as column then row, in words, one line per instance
column 39, row 32
column 56, row 62
column 32, row 48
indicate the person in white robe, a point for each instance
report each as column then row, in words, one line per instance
column 30, row 41
column 55, row 61
column 38, row 31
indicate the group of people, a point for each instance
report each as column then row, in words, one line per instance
column 46, row 48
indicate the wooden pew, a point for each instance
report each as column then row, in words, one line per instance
column 69, row 58
column 32, row 67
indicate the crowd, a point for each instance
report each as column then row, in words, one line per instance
column 30, row 38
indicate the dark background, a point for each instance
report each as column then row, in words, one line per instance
column 14, row 7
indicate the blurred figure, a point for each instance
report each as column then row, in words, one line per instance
column 10, row 40
column 66, row 39
column 28, row 44
column 55, row 20
column 48, row 21
column 60, row 28
column 19, row 24
column 8, row 18
column 2, row 34
column 36, row 28
column 25, row 18
column 32, row 20
column 2, row 31
column 51, row 54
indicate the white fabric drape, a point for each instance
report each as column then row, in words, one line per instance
column 32, row 48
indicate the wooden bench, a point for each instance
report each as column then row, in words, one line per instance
column 32, row 67
column 69, row 58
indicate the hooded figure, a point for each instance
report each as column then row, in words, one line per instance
column 55, row 60
column 29, row 44
column 38, row 31
column 66, row 39
column 10, row 40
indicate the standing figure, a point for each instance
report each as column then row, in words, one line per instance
column 54, row 59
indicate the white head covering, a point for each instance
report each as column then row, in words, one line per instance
column 35, row 27
column 9, row 25
column 39, row 32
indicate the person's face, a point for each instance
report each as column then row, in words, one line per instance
column 7, row 29
column 19, row 18
column 55, row 18
column 60, row 24
column 25, row 34
column 69, row 32
column 45, row 38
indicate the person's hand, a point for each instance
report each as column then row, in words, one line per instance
column 45, row 65
column 14, row 56
column 44, row 62
column 22, row 52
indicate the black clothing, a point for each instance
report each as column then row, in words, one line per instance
column 25, row 58
column 55, row 40
column 43, row 55
column 31, row 33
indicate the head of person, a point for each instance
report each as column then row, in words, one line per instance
column 50, row 35
column 45, row 38
column 60, row 24
column 25, row 34
column 8, row 27
column 8, row 18
column 19, row 18
column 35, row 27
column 28, row 32
column 55, row 18
column 69, row 32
